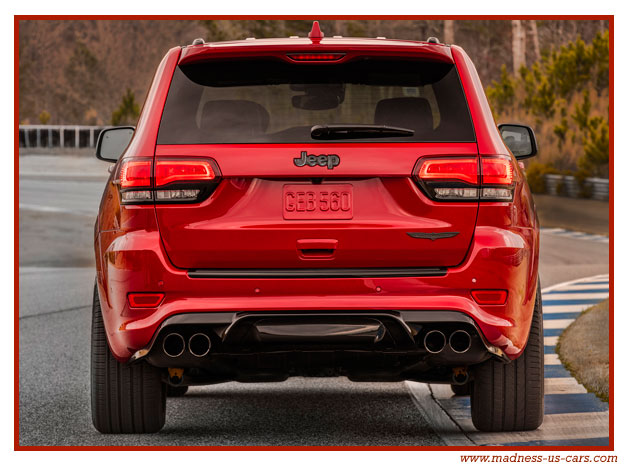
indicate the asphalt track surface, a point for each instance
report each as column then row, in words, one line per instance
column 58, row 200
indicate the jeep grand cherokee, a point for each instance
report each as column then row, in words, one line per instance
column 316, row 207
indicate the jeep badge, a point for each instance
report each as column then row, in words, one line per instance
column 323, row 160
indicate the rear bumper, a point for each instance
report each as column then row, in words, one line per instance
column 272, row 346
column 498, row 259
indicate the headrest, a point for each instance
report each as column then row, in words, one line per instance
column 405, row 112
column 234, row 116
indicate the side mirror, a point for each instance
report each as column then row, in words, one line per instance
column 520, row 140
column 112, row 142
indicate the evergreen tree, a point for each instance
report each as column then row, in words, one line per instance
column 128, row 111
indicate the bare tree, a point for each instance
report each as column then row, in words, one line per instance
column 132, row 50
column 535, row 39
column 448, row 31
column 338, row 27
column 518, row 45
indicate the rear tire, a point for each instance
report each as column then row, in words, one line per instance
column 126, row 398
column 510, row 397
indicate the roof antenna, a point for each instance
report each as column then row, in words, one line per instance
column 315, row 33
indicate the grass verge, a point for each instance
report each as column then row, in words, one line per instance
column 584, row 349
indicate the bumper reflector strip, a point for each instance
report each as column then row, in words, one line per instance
column 490, row 296
column 145, row 300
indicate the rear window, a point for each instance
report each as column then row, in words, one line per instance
column 272, row 101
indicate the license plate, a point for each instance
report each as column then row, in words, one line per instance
column 314, row 202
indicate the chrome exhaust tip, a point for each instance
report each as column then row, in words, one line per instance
column 199, row 345
column 174, row 345
column 434, row 341
column 460, row 341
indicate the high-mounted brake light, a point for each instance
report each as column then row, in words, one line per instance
column 169, row 180
column 315, row 56
column 446, row 178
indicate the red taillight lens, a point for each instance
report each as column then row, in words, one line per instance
column 145, row 300
column 447, row 178
column 490, row 297
column 497, row 171
column 315, row 56
column 175, row 180
column 135, row 173
column 172, row 171
column 459, row 169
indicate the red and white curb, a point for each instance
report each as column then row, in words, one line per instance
column 573, row 417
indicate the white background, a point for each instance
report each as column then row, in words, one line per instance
column 207, row 9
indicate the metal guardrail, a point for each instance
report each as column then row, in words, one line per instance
column 565, row 185
column 63, row 136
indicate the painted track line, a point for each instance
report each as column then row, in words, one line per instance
column 449, row 431
column 575, row 234
column 572, row 416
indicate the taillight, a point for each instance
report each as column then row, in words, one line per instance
column 466, row 178
column 498, row 178
column 449, row 178
column 135, row 173
column 465, row 170
column 168, row 180
column 172, row 171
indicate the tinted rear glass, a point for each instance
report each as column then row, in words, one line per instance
column 271, row 101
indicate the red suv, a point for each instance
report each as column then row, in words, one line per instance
column 316, row 207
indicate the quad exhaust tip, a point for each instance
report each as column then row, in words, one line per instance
column 434, row 341
column 460, row 341
column 174, row 345
column 199, row 345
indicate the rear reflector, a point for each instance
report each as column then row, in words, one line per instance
column 490, row 296
column 145, row 300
